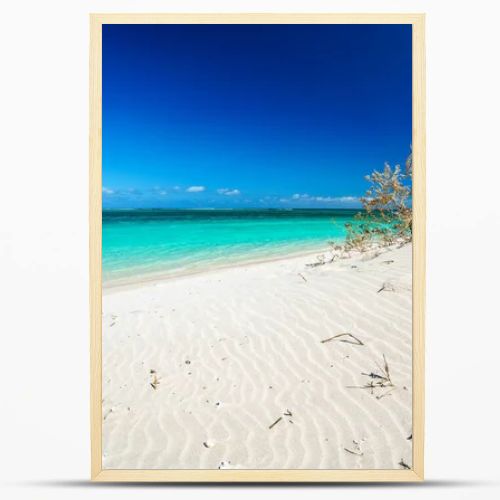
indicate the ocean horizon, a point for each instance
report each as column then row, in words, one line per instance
column 144, row 243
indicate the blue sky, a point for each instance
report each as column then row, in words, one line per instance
column 251, row 115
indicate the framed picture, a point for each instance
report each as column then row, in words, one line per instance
column 257, row 247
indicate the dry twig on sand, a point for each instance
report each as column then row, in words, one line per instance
column 275, row 422
column 404, row 465
column 387, row 287
column 388, row 393
column 357, row 449
column 286, row 413
column 359, row 454
column 351, row 340
column 321, row 261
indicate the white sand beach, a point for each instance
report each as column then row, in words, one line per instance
column 197, row 369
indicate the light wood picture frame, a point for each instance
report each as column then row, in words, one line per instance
column 416, row 472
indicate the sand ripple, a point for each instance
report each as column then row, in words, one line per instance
column 234, row 350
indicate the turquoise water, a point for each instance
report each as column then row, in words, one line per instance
column 138, row 244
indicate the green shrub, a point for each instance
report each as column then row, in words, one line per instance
column 387, row 215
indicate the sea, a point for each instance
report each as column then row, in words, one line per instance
column 146, row 244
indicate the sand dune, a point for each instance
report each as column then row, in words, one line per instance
column 196, row 369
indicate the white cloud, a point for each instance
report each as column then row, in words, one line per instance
column 321, row 199
column 195, row 189
column 229, row 192
column 159, row 191
column 336, row 199
column 348, row 199
column 106, row 190
column 326, row 199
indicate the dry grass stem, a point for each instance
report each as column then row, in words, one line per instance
column 378, row 380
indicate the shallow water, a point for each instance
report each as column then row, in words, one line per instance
column 146, row 243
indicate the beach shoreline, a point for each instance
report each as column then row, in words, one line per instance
column 132, row 282
column 149, row 245
column 242, row 367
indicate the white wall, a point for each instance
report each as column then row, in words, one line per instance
column 44, row 444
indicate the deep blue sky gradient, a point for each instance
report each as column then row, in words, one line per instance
column 264, row 111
